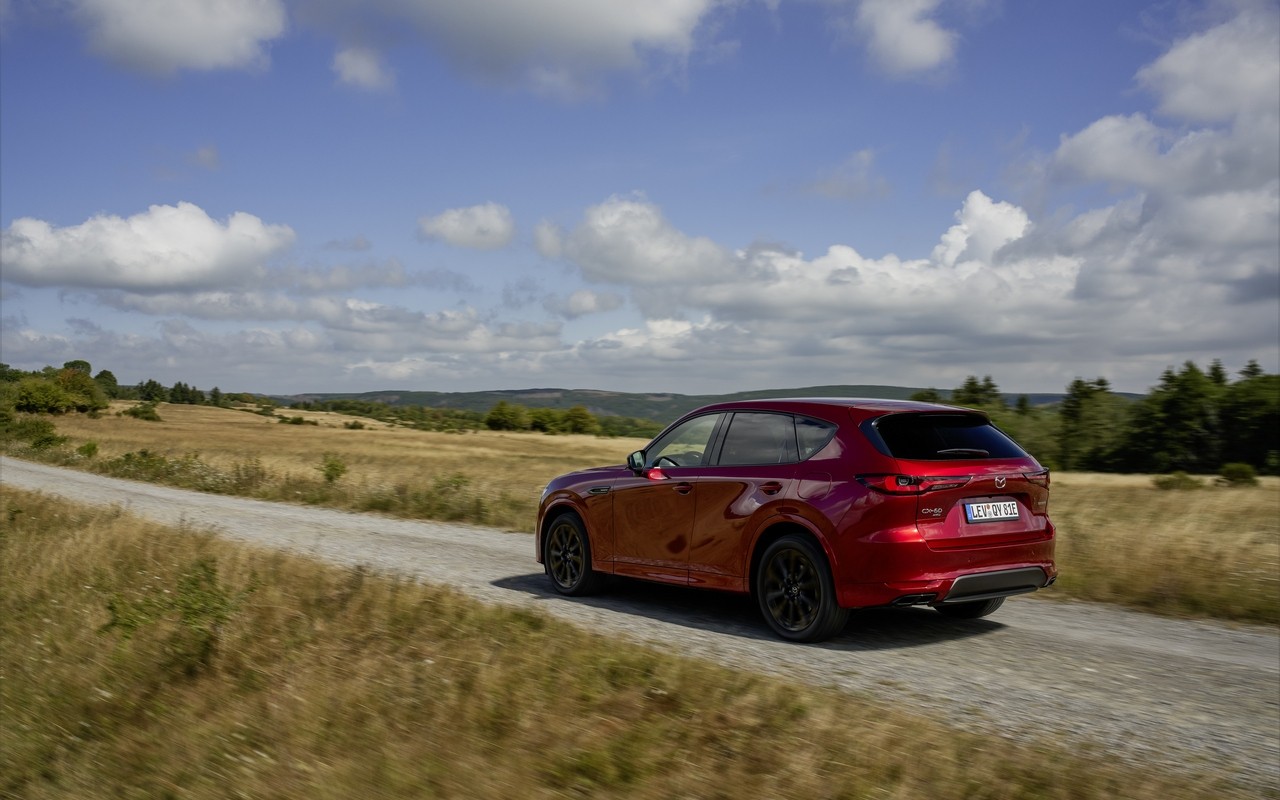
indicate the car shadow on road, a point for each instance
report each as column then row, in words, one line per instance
column 737, row 614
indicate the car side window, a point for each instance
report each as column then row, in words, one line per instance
column 685, row 445
column 759, row 439
column 813, row 435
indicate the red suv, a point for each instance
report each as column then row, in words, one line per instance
column 815, row 506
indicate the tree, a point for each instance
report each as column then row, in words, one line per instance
column 79, row 366
column 215, row 397
column 36, row 394
column 1176, row 426
column 83, row 390
column 1091, row 424
column 579, row 420
column 1249, row 413
column 1251, row 370
column 1217, row 373
column 10, row 375
column 930, row 395
column 152, row 391
column 108, row 383
column 546, row 420
column 507, row 417
column 978, row 393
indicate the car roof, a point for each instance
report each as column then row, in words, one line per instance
column 802, row 404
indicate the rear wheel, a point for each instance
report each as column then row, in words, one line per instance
column 981, row 608
column 567, row 557
column 796, row 593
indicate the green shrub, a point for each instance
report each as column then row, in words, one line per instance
column 1177, row 482
column 88, row 449
column 145, row 411
column 35, row 432
column 1238, row 475
column 42, row 396
column 332, row 467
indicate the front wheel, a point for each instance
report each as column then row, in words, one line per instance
column 796, row 593
column 567, row 557
column 980, row 608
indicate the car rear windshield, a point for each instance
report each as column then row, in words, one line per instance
column 944, row 437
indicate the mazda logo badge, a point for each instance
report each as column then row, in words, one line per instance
column 1000, row 482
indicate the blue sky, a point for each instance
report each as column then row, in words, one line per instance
column 678, row 196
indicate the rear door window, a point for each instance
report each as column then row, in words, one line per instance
column 943, row 437
column 759, row 439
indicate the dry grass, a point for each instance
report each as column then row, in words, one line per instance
column 1209, row 552
column 489, row 477
column 1212, row 552
column 142, row 661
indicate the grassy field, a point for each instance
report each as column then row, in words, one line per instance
column 138, row 661
column 1211, row 552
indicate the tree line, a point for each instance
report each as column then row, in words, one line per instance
column 1193, row 420
column 74, row 388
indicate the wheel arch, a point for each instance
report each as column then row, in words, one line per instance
column 775, row 531
column 549, row 516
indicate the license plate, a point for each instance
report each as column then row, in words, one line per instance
column 990, row 512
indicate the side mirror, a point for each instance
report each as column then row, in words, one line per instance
column 635, row 461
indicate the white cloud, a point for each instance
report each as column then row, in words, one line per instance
column 1201, row 223
column 362, row 68
column 1131, row 285
column 1115, row 149
column 628, row 240
column 1228, row 70
column 902, row 37
column 556, row 47
column 166, row 247
column 163, row 36
column 484, row 227
column 581, row 303
column 982, row 228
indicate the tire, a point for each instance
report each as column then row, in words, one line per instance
column 980, row 608
column 796, row 593
column 566, row 556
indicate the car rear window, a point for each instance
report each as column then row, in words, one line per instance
column 944, row 437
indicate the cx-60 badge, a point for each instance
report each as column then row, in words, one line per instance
column 931, row 512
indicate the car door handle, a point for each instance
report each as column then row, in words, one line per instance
column 772, row 487
column 683, row 488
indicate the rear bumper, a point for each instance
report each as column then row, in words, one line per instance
column 906, row 572
column 1001, row 583
column 966, row 588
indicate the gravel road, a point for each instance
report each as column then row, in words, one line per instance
column 1178, row 693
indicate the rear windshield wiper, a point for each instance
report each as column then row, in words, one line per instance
column 965, row 451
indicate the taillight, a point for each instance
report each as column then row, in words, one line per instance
column 911, row 484
column 1040, row 478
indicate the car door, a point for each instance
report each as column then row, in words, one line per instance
column 653, row 512
column 755, row 467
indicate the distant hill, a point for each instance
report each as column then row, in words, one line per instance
column 662, row 407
